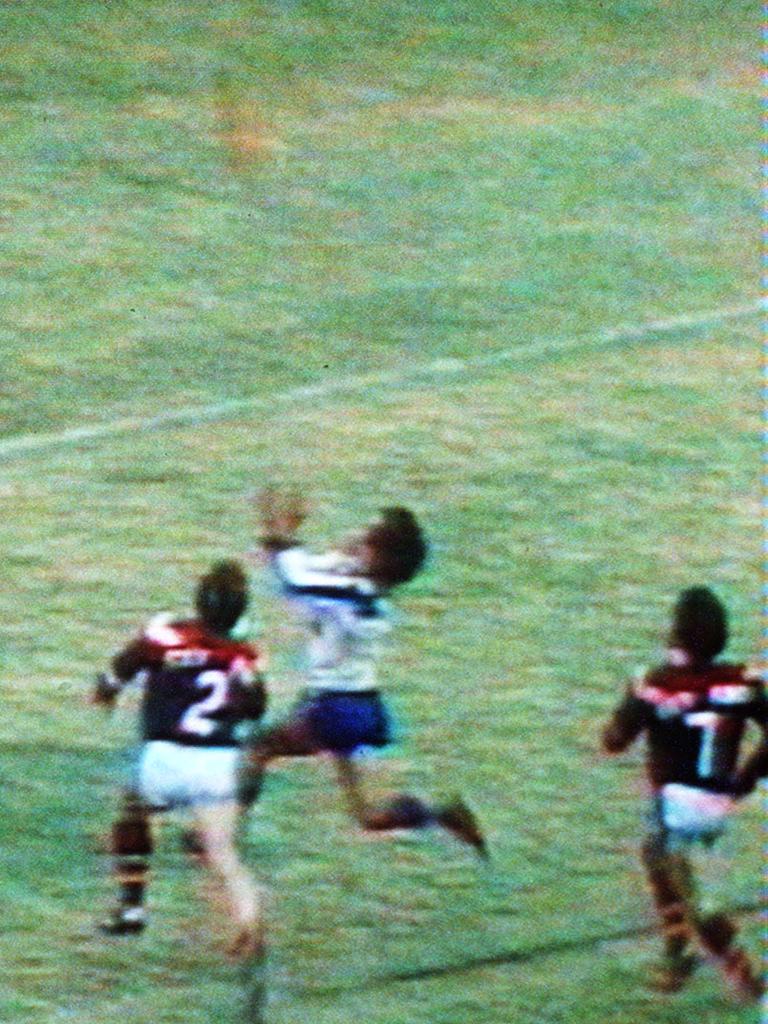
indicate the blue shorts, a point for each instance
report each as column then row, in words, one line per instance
column 343, row 722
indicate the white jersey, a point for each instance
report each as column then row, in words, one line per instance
column 345, row 615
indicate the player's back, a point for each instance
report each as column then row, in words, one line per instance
column 196, row 684
column 696, row 719
column 345, row 643
column 345, row 614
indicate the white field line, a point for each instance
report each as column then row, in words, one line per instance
column 23, row 444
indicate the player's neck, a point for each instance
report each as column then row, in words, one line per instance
column 678, row 657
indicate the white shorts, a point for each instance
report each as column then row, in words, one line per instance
column 695, row 813
column 173, row 775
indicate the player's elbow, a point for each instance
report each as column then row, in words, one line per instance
column 253, row 700
column 612, row 741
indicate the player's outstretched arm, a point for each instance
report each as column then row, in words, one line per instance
column 105, row 691
column 125, row 665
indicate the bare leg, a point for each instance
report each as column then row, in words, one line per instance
column 350, row 780
column 401, row 811
column 405, row 811
column 291, row 739
column 215, row 825
column 295, row 739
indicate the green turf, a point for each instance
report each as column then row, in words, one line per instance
column 202, row 205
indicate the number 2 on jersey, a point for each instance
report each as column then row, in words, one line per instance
column 196, row 719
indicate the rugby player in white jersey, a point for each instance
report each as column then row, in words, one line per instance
column 339, row 594
column 198, row 684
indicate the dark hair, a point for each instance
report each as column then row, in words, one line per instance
column 399, row 546
column 700, row 624
column 222, row 596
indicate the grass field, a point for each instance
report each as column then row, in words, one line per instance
column 502, row 247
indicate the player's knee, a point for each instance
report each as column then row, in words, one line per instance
column 221, row 857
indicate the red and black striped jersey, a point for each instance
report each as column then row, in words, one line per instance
column 197, row 685
column 694, row 719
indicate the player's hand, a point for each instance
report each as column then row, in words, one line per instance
column 104, row 694
column 281, row 513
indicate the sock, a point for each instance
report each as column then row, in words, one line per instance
column 402, row 811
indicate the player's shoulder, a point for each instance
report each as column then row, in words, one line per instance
column 243, row 650
column 720, row 683
column 165, row 630
column 229, row 649
column 665, row 676
column 664, row 688
column 733, row 686
column 753, row 678
column 753, row 674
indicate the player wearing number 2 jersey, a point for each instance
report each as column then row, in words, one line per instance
column 198, row 686
column 693, row 711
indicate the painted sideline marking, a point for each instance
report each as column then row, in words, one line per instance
column 503, row 958
column 24, row 444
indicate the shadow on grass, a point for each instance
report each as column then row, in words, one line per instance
column 578, row 943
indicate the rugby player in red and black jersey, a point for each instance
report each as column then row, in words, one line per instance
column 693, row 711
column 198, row 685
